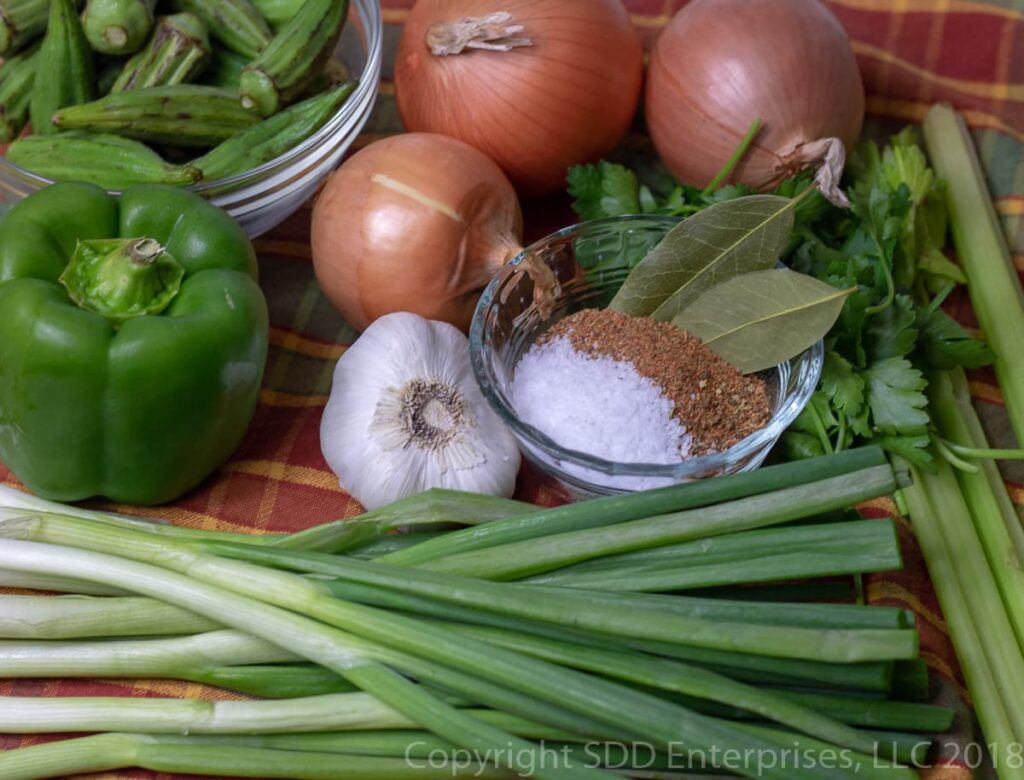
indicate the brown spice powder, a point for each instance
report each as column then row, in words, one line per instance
column 716, row 403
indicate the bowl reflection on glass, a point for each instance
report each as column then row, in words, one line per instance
column 507, row 322
column 262, row 198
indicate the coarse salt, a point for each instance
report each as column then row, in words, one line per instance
column 597, row 405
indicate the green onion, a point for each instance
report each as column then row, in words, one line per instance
column 677, row 677
column 15, row 503
column 911, row 680
column 619, row 509
column 63, row 617
column 868, row 713
column 752, row 556
column 839, row 616
column 330, row 712
column 276, row 681
column 325, row 645
column 741, row 666
column 390, row 543
column 164, row 657
column 106, row 752
column 596, row 612
column 436, row 507
column 17, row 579
column 981, row 248
column 534, row 556
column 620, row 706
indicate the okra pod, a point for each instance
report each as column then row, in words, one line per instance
column 105, row 160
column 21, row 21
column 118, row 26
column 177, row 52
column 272, row 137
column 225, row 69
column 294, row 57
column 64, row 70
column 278, row 12
column 188, row 115
column 17, row 75
column 235, row 23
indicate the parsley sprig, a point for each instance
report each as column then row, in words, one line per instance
column 890, row 245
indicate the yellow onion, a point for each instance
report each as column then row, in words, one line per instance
column 538, row 85
column 721, row 64
column 418, row 223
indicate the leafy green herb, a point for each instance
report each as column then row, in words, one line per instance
column 759, row 319
column 890, row 246
column 895, row 396
column 605, row 190
column 728, row 238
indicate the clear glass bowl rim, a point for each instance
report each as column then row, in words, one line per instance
column 793, row 404
column 370, row 20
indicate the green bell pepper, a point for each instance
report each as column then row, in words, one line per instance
column 133, row 338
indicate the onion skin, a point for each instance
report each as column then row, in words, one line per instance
column 536, row 110
column 416, row 222
column 720, row 64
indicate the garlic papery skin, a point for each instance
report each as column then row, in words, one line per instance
column 405, row 415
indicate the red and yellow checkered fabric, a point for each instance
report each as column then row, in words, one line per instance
column 912, row 53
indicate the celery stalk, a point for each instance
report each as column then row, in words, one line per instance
column 944, row 555
column 995, row 518
column 981, row 247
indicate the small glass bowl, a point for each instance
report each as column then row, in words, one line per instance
column 263, row 197
column 507, row 322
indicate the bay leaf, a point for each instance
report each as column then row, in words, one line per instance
column 759, row 319
column 728, row 238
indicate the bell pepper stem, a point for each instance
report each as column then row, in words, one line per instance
column 121, row 278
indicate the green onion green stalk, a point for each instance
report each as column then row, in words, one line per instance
column 315, row 641
column 107, row 752
column 828, row 550
column 869, row 676
column 534, row 556
column 621, row 509
column 602, row 613
column 616, row 704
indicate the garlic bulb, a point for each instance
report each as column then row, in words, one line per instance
column 405, row 415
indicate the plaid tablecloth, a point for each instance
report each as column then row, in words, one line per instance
column 912, row 53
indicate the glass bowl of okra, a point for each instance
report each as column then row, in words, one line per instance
column 251, row 103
